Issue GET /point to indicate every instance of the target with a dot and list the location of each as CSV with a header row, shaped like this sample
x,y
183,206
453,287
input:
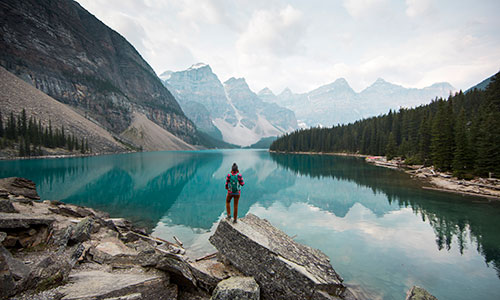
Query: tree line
x,y
30,135
459,134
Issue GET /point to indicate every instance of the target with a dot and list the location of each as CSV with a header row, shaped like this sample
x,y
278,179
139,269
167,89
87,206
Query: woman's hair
x,y
234,168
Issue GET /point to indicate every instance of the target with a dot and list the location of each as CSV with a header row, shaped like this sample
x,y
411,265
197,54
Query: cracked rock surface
x,y
283,268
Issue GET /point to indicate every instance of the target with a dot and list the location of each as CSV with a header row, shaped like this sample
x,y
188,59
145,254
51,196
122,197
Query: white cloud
x,y
273,32
360,8
417,7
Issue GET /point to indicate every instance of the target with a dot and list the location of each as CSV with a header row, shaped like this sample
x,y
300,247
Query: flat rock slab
x,y
241,288
112,250
98,284
11,221
283,268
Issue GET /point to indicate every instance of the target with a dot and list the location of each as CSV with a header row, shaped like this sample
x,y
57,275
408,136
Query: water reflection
x,y
449,215
382,231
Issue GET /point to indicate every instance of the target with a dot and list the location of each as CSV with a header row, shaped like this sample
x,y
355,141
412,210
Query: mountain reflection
x,y
451,216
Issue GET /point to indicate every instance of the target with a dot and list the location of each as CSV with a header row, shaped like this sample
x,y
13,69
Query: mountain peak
x,y
166,75
380,81
341,80
442,85
338,86
266,92
233,81
286,92
198,66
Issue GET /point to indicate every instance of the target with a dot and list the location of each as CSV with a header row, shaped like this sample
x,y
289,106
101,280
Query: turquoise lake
x,y
381,230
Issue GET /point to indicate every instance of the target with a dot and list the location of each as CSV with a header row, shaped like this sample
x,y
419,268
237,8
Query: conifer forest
x,y
28,136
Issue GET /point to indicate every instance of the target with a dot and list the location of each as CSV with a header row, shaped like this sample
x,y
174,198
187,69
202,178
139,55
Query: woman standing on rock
x,y
234,182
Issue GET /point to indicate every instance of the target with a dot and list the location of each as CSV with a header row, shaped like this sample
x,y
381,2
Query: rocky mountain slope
x,y
151,137
16,94
337,102
230,111
63,50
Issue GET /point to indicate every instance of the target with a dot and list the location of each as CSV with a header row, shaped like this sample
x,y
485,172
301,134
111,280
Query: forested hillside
x,y
459,134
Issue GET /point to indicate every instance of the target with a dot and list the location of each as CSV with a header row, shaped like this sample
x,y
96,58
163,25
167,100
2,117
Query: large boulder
x,y
19,187
237,288
283,268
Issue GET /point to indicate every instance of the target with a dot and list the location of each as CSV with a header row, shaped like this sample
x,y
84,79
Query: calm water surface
x,y
382,232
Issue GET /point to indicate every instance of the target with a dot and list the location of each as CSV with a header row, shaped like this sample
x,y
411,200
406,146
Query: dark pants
x,y
235,204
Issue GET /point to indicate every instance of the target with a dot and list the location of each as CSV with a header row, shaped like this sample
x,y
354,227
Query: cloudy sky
x,y
305,44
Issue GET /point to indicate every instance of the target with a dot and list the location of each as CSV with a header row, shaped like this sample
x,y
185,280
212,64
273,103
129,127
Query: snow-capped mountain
x,y
337,103
231,112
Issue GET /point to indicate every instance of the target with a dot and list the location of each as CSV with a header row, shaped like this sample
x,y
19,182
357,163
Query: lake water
x,y
382,232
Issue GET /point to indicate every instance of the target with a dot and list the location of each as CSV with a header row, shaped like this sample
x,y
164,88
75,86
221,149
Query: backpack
x,y
234,185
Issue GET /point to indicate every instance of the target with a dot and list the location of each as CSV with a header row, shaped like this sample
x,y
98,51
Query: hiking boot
x,y
235,221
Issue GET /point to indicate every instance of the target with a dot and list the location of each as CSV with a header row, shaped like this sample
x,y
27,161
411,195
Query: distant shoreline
x,y
56,156
439,181
323,153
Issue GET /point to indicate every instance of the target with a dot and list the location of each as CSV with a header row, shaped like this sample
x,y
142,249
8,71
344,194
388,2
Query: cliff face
x,y
66,52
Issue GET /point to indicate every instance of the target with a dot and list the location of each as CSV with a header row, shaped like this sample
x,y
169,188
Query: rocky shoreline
x,y
53,250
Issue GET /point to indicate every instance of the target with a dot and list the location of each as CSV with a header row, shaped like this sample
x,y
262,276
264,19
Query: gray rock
x,y
19,187
51,271
71,211
17,268
177,265
10,221
237,288
283,268
7,284
61,237
112,250
13,274
105,285
3,235
24,201
210,272
418,293
82,231
6,206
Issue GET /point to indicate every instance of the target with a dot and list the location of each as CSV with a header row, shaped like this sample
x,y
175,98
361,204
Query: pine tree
x,y
424,139
390,150
22,152
11,127
27,149
461,162
441,140
24,123
63,138
50,142
82,148
1,125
